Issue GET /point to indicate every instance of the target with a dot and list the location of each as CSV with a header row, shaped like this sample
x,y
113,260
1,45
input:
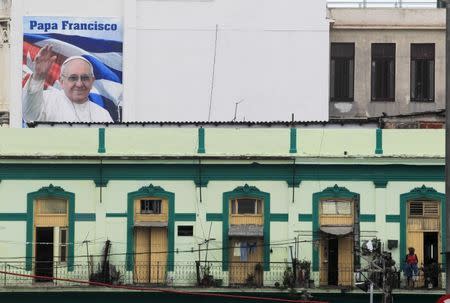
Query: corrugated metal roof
x,y
367,121
209,123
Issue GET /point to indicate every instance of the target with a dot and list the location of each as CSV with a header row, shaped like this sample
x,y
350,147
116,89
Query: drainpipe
x,y
447,146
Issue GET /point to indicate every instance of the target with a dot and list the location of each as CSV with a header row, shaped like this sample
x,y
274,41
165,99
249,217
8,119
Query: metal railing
x,y
382,4
188,274
429,277
203,274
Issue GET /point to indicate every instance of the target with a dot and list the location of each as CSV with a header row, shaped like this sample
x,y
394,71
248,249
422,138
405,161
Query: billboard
x,y
176,60
72,69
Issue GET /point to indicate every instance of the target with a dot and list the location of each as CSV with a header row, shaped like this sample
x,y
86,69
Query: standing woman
x,y
411,268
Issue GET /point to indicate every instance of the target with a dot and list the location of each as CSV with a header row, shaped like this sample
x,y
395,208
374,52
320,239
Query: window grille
x,y
342,66
422,72
51,207
151,206
336,207
383,72
423,209
246,206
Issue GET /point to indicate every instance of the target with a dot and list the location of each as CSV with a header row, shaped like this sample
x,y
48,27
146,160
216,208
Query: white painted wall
x,y
4,75
4,56
272,54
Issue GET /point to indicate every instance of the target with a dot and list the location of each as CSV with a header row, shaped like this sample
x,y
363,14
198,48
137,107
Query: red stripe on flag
x,y
25,79
31,51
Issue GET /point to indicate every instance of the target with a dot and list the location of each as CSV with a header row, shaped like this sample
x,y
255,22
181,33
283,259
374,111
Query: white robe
x,y
54,106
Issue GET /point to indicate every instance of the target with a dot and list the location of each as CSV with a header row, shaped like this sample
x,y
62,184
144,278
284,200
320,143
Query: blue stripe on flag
x,y
102,71
107,104
97,99
91,45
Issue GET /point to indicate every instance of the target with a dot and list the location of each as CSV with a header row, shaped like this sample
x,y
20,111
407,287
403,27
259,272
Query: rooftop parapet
x,y
317,144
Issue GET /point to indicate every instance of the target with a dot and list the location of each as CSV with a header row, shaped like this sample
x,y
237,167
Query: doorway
x,y
430,248
246,261
430,258
151,255
44,254
333,258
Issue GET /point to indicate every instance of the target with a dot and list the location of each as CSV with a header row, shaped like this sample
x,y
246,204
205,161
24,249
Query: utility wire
x,y
213,73
167,251
164,290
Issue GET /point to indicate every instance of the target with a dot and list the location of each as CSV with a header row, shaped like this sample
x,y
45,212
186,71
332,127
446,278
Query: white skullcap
x,y
76,57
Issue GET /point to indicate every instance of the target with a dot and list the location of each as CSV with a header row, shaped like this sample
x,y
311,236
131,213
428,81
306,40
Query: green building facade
x,y
300,175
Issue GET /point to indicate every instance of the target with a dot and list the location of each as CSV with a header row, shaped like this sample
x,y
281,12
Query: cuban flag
x,y
104,54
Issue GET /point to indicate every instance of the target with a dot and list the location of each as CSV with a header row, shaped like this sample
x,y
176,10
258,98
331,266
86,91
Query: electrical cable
x,y
163,290
167,251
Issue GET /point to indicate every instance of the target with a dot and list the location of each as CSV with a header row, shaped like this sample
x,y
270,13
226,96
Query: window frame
x,y
258,207
41,209
63,245
383,59
336,201
433,73
351,59
148,211
423,215
185,235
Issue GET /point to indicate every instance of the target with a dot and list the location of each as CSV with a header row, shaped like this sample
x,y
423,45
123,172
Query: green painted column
x,y
379,142
101,140
201,141
293,141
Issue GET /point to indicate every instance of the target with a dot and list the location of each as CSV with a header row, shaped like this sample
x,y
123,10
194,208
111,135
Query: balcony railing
x,y
382,4
190,274
198,274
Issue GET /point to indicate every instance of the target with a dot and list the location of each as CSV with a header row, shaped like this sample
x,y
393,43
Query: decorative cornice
x,y
151,189
51,190
335,190
246,190
423,190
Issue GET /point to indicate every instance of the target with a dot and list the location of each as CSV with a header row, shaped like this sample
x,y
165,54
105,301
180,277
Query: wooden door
x,y
142,255
323,278
158,257
251,270
345,261
151,255
414,239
